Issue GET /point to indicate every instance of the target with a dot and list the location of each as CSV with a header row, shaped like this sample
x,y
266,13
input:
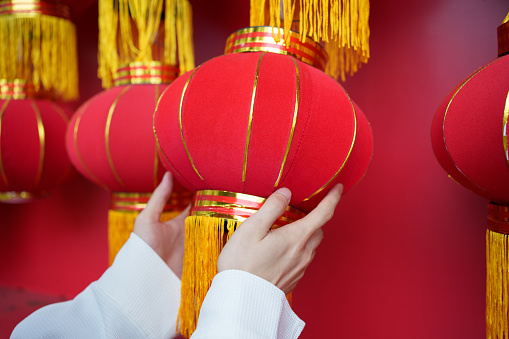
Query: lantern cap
x,y
17,89
503,37
150,72
136,202
236,206
32,8
20,197
263,39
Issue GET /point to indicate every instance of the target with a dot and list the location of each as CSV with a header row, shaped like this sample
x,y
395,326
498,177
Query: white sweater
x,y
139,297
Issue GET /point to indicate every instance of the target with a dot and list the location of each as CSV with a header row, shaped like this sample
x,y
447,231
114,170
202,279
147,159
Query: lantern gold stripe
x,y
294,122
506,115
42,141
156,156
347,157
107,134
443,125
250,120
79,115
180,121
60,112
2,170
158,146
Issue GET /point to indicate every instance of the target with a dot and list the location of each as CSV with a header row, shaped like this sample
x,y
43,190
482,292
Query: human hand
x,y
280,256
165,238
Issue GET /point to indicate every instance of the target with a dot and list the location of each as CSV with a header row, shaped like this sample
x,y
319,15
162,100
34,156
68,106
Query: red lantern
x,y
32,144
110,141
469,136
242,125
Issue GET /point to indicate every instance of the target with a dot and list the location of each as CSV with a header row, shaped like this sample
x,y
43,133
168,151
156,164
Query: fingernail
x,y
286,192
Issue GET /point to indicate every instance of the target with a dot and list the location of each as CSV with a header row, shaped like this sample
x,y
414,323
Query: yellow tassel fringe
x,y
120,226
41,50
205,238
497,286
130,31
343,25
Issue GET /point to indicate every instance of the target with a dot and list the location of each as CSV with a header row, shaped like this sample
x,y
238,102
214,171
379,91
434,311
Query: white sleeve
x,y
137,297
242,305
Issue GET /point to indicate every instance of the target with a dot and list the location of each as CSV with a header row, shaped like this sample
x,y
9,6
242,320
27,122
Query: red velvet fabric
x,y
468,128
215,117
131,164
20,145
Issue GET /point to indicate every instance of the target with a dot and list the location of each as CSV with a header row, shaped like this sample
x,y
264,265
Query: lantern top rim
x,y
268,39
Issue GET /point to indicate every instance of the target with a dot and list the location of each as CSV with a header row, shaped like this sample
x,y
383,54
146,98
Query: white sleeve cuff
x,y
242,305
144,288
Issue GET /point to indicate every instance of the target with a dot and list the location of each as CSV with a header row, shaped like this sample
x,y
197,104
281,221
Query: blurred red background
x,y
404,256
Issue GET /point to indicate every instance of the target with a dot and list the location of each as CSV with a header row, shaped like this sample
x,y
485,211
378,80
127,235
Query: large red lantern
x,y
242,125
32,145
469,137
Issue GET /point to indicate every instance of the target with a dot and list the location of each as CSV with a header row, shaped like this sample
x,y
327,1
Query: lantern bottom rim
x,y
16,197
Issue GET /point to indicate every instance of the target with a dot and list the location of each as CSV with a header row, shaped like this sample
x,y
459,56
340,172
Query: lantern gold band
x,y
29,8
17,197
498,218
153,72
235,206
261,39
16,89
136,202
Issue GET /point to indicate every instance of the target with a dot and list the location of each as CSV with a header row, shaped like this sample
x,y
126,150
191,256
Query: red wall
x,y
404,257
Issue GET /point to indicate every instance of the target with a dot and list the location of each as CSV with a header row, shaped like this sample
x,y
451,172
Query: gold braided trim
x,y
261,39
136,202
17,197
33,8
153,72
16,89
235,206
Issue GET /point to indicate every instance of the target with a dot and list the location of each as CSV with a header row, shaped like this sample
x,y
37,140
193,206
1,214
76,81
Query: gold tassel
x,y
120,226
205,238
130,29
497,291
41,50
343,25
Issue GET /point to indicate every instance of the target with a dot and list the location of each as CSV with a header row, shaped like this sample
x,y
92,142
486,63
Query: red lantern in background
x,y
242,125
469,137
110,141
38,65
32,145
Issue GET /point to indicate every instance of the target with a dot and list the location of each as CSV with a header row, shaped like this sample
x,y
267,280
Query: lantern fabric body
x,y
239,127
111,142
302,133
469,137
469,132
32,148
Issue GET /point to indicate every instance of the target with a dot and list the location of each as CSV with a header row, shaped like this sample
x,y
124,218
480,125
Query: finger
x,y
324,211
315,240
181,218
260,223
160,196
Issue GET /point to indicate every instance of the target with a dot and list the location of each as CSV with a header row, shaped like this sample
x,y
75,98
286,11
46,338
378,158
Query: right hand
x,y
280,256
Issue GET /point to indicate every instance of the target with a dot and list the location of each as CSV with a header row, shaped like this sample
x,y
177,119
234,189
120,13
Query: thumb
x,y
260,223
158,199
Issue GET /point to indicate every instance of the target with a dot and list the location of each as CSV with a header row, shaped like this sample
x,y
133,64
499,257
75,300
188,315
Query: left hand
x,y
165,238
